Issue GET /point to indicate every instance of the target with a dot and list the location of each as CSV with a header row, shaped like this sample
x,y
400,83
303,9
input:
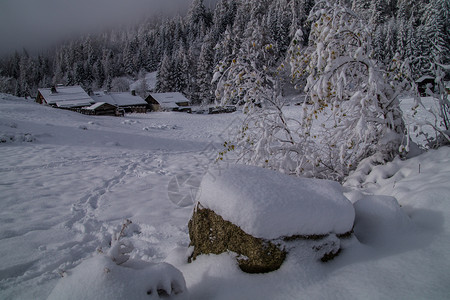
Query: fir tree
x,y
164,77
205,67
180,72
438,31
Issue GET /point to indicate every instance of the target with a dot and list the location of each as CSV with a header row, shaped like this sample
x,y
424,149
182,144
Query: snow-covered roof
x,y
96,105
169,100
73,103
66,96
119,99
268,204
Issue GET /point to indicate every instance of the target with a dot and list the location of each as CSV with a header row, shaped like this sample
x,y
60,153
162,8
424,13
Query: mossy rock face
x,y
211,234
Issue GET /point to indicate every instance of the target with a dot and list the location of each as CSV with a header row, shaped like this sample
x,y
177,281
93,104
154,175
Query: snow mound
x,y
16,137
270,205
379,217
100,278
130,121
161,127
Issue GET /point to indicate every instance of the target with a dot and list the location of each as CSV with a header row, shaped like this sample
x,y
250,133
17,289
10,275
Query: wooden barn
x,y
168,102
103,109
423,83
65,97
129,102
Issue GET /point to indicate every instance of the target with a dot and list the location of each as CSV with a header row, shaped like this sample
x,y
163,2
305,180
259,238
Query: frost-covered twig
x,y
120,249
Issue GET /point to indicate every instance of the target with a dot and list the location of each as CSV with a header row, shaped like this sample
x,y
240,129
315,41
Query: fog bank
x,y
33,24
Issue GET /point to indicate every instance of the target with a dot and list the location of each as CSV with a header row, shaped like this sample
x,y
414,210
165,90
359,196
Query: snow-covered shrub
x,y
265,138
247,81
352,110
120,249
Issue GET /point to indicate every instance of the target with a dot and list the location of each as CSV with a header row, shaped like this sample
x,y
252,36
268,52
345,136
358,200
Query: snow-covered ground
x,y
68,183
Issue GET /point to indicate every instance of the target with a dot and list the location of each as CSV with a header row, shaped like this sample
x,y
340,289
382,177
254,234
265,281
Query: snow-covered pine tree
x,y
12,66
402,35
300,10
108,67
362,8
378,43
79,75
98,74
279,23
376,12
180,70
69,78
410,38
434,61
437,30
390,42
223,18
205,68
6,84
439,34
241,21
26,69
128,58
164,77
198,20
41,75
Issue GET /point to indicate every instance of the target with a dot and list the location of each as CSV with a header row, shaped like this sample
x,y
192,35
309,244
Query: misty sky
x,y
36,23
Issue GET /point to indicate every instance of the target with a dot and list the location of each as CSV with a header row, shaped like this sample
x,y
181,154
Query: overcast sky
x,y
36,23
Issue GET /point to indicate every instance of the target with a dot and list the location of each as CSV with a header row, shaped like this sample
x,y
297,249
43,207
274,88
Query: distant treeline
x,y
186,50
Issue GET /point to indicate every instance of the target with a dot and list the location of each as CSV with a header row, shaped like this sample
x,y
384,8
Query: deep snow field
x,y
68,182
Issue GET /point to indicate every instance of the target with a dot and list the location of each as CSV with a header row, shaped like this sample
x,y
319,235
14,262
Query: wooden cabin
x,y
168,102
129,102
103,109
423,83
65,97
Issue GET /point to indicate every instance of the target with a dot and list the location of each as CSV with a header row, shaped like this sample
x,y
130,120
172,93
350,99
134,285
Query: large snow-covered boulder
x,y
210,233
252,211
